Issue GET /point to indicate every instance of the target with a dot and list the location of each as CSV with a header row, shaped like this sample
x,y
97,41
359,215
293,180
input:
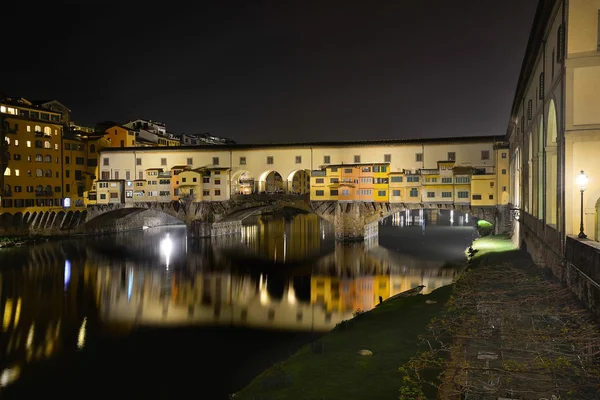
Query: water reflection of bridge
x,y
156,297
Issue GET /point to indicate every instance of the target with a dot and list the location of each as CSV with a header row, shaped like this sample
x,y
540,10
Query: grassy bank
x,y
332,369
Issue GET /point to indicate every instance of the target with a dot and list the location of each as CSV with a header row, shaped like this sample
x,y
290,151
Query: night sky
x,y
274,71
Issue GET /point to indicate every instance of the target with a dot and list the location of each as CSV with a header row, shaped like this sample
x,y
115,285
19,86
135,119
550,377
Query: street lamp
x,y
582,181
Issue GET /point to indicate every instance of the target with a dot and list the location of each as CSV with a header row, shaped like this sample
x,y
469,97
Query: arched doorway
x,y
242,182
271,182
298,182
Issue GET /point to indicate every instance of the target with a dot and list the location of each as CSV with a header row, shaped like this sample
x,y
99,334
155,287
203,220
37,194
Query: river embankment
x,y
504,327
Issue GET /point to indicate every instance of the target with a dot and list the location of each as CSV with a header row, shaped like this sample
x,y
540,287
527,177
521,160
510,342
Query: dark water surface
x,y
151,314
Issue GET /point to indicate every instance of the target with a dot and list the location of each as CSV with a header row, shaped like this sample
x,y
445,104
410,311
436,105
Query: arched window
x,y
48,158
47,130
7,188
39,189
38,144
92,148
7,172
39,158
37,128
551,167
48,189
48,173
39,172
552,124
47,145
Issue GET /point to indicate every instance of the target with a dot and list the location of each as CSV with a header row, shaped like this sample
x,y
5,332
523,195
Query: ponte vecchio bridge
x,y
352,184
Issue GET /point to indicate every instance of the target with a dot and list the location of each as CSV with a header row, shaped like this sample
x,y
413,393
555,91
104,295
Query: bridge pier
x,y
356,222
199,229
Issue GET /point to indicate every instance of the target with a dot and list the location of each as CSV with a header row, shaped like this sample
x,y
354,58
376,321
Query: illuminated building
x,y
32,180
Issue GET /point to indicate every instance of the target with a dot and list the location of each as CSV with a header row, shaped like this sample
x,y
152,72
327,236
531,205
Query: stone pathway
x,y
518,334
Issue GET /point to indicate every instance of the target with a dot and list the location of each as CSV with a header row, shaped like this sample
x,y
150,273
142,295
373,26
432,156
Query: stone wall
x,y
582,273
129,220
574,262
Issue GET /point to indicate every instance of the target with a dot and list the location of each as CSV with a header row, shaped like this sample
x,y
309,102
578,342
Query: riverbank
x,y
331,368
506,329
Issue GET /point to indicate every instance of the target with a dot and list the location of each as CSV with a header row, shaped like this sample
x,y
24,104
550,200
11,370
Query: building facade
x,y
441,171
554,131
554,136
46,165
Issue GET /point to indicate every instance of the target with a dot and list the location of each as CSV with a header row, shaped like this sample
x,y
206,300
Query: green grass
x,y
488,245
390,331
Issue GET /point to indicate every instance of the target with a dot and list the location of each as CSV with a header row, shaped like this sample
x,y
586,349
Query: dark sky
x,y
274,71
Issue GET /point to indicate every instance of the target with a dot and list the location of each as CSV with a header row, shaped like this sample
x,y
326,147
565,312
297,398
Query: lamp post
x,y
582,181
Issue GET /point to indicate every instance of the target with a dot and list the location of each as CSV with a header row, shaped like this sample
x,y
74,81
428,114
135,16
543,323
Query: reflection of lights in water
x,y
262,287
166,247
81,335
67,272
129,285
467,218
284,246
451,216
29,341
291,294
9,375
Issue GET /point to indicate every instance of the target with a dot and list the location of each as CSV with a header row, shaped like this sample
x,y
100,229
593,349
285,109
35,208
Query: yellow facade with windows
x,y
120,136
381,182
32,178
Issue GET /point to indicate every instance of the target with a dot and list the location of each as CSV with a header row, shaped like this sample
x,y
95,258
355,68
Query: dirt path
x,y
511,331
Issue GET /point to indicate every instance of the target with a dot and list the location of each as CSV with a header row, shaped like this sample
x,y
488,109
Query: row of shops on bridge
x,y
365,182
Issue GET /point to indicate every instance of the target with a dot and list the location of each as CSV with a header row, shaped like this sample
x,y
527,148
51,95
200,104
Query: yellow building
x,y
502,175
483,190
167,141
121,136
381,182
190,184
462,185
31,180
413,187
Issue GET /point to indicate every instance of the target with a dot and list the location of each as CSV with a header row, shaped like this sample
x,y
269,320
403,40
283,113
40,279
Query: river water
x,y
151,313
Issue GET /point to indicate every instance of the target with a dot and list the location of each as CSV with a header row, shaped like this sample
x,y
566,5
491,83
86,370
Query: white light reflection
x,y
291,294
67,273
9,375
30,335
81,335
262,287
467,218
451,217
166,247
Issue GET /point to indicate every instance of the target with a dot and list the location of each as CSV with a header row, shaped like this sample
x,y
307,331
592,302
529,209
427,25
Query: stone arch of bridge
x,y
271,181
133,217
243,182
298,182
